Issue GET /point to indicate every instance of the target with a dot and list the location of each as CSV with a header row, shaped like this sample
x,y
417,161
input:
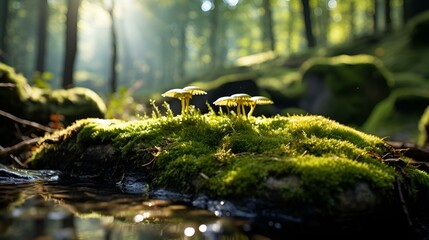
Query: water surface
x,y
48,210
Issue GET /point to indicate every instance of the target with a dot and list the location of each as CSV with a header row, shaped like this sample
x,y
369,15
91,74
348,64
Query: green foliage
x,y
41,80
121,105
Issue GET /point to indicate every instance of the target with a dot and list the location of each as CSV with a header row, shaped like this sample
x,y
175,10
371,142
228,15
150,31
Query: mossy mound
x,y
301,164
38,105
397,117
344,88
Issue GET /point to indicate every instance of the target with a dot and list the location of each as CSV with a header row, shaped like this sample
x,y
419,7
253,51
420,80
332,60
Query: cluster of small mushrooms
x,y
184,95
239,100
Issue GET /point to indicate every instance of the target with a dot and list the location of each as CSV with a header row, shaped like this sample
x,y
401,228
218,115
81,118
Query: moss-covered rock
x,y
306,165
344,88
397,117
35,104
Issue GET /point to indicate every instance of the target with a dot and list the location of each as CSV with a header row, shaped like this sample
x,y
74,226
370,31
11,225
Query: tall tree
x,y
3,26
375,16
183,25
214,25
41,39
268,25
114,53
311,41
387,16
71,42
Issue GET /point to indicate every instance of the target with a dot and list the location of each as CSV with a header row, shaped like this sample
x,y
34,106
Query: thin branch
x,y
10,85
26,122
18,147
415,152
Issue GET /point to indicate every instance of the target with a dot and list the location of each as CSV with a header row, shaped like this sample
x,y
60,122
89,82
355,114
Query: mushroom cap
x,y
261,100
225,101
241,96
176,93
194,90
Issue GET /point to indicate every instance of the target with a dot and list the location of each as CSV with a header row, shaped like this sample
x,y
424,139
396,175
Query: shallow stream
x,y
34,205
46,210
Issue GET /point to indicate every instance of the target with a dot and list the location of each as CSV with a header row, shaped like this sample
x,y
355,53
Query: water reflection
x,y
48,210
40,210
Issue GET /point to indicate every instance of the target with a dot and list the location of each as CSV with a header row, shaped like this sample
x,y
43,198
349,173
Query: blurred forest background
x,y
156,43
131,51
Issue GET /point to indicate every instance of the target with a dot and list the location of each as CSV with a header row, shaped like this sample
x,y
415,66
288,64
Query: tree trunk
x,y
214,22
41,44
387,16
184,18
311,41
71,42
3,26
114,53
267,26
375,17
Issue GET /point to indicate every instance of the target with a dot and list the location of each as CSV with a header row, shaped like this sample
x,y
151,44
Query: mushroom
x,y
193,90
185,95
225,101
241,99
258,100
181,94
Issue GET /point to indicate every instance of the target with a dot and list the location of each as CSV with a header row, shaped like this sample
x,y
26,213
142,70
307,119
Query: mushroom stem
x,y
183,104
252,108
257,100
187,100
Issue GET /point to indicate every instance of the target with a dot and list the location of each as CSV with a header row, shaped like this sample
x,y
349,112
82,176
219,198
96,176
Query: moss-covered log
x,y
302,164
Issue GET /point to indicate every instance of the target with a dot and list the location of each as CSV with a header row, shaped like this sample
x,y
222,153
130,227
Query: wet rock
x,y
11,175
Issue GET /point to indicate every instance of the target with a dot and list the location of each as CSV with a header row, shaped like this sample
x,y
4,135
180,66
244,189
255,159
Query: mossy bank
x,y
294,162
39,105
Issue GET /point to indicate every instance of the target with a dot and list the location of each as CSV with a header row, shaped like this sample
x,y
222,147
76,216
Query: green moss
x,y
74,103
12,97
311,159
